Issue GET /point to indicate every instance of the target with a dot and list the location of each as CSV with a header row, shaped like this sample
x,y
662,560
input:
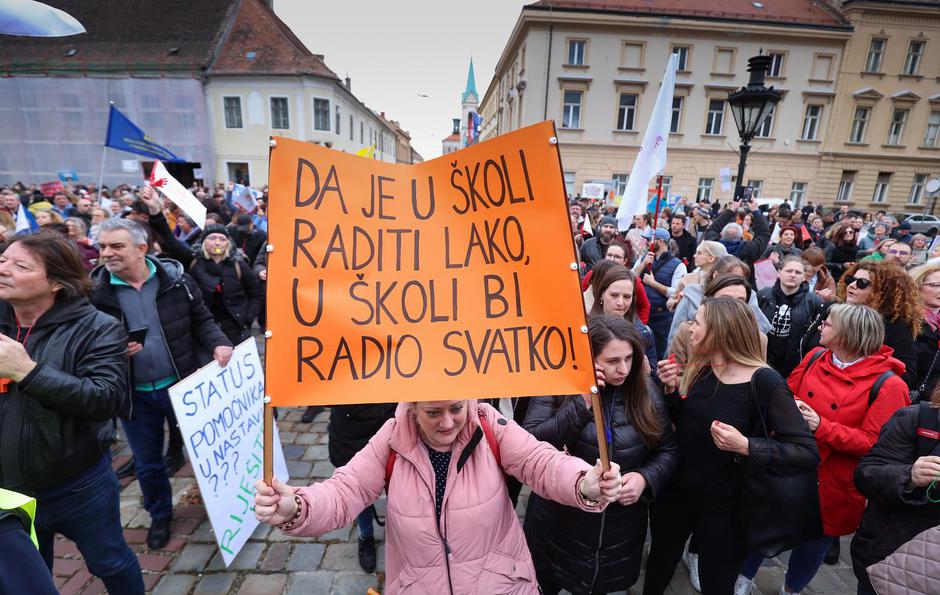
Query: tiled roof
x,y
165,37
815,13
260,43
452,138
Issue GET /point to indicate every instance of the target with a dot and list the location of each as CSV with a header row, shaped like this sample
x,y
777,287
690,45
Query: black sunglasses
x,y
859,282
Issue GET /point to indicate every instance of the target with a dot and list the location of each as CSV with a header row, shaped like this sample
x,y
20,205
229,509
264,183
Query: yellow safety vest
x,y
13,501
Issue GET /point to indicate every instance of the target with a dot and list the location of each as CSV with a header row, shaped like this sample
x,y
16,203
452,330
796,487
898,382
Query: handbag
x,y
779,504
918,393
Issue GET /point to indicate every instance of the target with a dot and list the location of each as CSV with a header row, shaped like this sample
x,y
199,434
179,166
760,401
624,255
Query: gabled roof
x,y
868,93
164,37
261,43
905,95
452,138
811,13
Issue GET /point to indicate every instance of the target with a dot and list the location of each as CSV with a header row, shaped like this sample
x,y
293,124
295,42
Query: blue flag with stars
x,y
126,136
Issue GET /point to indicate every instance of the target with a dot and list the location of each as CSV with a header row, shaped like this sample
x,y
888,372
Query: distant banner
x,y
591,190
220,412
454,278
49,189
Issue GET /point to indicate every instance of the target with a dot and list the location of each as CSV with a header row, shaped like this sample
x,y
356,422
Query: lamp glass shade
x,y
749,108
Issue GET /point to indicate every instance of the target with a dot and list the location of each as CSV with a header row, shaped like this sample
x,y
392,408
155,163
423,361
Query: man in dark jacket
x,y
63,377
155,298
661,272
684,240
246,238
790,307
725,230
595,248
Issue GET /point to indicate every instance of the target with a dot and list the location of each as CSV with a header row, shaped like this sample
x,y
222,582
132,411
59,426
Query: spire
x,y
471,84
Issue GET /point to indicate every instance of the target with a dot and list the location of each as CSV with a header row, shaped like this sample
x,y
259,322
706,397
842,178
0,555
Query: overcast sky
x,y
394,50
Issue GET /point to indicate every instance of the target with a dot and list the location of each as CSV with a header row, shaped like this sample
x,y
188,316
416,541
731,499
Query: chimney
x,y
349,84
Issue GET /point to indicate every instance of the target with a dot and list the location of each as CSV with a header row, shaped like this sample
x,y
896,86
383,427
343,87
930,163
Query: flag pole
x,y
659,197
268,443
104,154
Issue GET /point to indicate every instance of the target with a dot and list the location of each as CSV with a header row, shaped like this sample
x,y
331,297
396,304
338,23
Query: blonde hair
x,y
716,249
920,273
857,329
228,249
733,334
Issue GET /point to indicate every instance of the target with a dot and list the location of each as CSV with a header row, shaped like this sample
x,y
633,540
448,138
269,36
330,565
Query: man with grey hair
x,y
723,229
162,309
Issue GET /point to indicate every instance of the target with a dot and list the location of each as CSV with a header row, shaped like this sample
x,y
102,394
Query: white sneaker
x,y
691,562
783,591
743,586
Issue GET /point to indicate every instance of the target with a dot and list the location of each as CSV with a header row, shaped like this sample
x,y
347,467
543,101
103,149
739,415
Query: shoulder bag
x,y
779,505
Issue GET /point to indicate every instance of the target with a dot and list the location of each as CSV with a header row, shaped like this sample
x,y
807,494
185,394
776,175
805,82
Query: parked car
x,y
922,223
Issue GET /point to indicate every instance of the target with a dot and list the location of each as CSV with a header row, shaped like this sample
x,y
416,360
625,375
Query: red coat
x,y
848,428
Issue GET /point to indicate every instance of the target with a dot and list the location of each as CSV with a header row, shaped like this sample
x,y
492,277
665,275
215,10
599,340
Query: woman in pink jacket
x,y
451,527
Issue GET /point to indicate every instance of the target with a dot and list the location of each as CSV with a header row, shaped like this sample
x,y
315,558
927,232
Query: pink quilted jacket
x,y
485,545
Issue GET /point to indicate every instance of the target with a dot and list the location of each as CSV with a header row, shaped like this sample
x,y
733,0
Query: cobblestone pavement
x,y
272,563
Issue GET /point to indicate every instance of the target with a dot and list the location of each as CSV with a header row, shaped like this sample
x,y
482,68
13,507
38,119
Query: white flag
x,y
35,19
652,156
24,220
161,179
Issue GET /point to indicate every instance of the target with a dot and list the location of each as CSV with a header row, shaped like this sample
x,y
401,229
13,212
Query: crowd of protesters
x,y
731,346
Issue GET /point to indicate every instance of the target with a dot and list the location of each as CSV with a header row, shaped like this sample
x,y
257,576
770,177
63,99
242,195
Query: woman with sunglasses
x,y
587,553
718,432
834,387
927,345
891,292
842,249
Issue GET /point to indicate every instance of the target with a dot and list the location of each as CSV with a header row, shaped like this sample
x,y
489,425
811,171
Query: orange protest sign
x,y
448,279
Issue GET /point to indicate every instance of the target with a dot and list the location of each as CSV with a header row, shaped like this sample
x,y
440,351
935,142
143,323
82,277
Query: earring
x,y
602,301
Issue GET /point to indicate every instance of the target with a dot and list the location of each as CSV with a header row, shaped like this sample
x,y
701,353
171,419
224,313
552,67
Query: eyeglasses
x,y
935,285
859,282
824,324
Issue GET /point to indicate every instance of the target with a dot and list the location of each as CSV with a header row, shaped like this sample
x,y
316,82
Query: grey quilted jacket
x,y
913,569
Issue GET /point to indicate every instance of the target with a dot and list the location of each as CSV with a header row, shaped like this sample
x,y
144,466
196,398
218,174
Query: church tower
x,y
469,102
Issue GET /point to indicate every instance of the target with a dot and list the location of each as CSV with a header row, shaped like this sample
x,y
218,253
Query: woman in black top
x,y
842,249
576,550
715,432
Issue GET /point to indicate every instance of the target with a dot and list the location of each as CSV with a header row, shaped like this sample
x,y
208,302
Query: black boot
x,y
126,470
310,414
367,554
832,554
159,533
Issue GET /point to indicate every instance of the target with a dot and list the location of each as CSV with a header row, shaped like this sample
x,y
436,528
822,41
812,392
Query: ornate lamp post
x,y
750,106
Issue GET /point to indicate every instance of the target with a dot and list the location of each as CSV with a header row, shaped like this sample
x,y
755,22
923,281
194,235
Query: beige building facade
x,y
884,138
596,71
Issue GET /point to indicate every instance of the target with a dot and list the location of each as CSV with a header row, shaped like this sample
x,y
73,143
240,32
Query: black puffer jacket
x,y
233,296
185,321
900,337
837,257
895,514
352,426
805,306
927,347
57,423
566,543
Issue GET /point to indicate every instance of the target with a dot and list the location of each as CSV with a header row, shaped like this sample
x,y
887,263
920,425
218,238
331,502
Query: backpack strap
x,y
389,465
812,359
928,430
484,430
873,393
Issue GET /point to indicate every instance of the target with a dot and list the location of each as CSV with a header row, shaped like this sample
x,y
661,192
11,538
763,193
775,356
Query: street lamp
x,y
750,106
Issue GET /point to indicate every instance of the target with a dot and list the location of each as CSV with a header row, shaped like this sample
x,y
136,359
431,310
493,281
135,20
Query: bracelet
x,y
289,524
582,499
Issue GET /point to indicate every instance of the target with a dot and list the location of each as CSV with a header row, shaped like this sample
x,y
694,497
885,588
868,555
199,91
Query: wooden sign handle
x,y
599,423
268,443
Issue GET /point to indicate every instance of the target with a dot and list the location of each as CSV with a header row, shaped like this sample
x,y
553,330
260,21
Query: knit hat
x,y
608,220
216,228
